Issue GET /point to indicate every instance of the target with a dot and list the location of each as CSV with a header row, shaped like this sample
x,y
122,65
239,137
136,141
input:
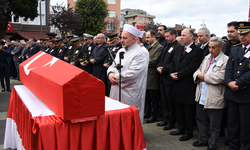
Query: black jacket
x,y
238,69
186,64
166,60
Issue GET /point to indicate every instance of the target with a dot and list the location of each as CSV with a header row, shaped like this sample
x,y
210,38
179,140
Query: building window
x,y
111,14
146,19
75,0
111,1
140,18
111,26
129,19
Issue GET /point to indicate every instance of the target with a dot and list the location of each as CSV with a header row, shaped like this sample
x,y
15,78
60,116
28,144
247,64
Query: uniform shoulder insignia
x,y
236,45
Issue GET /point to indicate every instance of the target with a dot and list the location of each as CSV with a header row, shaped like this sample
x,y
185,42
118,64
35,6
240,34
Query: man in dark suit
x,y
5,66
166,82
161,35
53,48
16,53
233,37
186,61
12,64
87,51
153,84
97,59
237,91
34,48
204,37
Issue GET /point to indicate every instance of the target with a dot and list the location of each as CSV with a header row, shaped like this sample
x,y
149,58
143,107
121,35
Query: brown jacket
x,y
153,78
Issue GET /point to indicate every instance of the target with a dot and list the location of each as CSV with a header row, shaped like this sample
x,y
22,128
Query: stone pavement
x,y
155,137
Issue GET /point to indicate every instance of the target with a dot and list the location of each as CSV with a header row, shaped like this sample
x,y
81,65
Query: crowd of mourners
x,y
188,83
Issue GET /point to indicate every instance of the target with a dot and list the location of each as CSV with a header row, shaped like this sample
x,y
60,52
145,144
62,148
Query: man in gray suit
x,y
16,53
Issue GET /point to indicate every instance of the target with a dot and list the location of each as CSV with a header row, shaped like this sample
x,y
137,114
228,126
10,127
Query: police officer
x,y
237,80
113,39
75,57
87,51
70,49
61,49
42,44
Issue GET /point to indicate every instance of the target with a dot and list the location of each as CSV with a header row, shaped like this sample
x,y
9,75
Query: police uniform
x,y
70,48
87,51
75,57
238,70
43,41
113,51
61,50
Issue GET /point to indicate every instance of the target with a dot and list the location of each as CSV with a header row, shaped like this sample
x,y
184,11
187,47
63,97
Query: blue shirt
x,y
204,85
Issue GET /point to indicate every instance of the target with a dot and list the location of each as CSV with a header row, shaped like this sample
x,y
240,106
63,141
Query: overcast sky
x,y
215,13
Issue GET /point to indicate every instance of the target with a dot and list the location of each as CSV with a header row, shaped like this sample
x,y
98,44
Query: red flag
x,y
140,27
9,27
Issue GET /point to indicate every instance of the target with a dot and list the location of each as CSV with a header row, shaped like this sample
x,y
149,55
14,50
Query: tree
x,y
94,12
152,26
19,8
65,19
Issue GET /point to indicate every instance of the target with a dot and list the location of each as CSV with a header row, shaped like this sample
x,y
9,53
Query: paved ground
x,y
155,137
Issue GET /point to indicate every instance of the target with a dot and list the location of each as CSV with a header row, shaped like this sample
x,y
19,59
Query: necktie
x,y
184,50
244,50
98,46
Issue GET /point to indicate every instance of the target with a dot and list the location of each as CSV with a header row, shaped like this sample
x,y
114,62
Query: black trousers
x,y
5,74
13,72
238,125
152,102
168,103
185,114
206,117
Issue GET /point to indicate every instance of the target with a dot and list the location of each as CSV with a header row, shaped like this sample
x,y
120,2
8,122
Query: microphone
x,y
113,45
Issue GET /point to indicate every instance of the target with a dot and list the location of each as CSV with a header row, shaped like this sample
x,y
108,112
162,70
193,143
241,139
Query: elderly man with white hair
x,y
210,94
134,71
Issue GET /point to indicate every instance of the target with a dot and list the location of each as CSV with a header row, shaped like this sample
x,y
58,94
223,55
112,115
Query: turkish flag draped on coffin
x,y
67,90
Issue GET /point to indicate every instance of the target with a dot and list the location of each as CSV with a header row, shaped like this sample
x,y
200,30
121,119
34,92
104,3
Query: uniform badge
x,y
70,47
52,50
76,52
247,55
89,52
113,49
170,50
89,48
219,63
188,50
60,50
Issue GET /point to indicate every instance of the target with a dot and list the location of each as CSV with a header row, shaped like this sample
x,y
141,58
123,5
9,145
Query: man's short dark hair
x,y
33,39
152,33
171,31
140,39
8,40
233,23
165,28
191,32
18,41
53,41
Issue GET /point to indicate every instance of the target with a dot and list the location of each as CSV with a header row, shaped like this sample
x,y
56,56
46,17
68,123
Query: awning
x,y
27,35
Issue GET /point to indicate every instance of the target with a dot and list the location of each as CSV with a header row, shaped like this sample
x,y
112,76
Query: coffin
x,y
67,90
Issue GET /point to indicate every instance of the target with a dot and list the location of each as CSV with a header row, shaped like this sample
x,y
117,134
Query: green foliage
x,y
21,8
94,12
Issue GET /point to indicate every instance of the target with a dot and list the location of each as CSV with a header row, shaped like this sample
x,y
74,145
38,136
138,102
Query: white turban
x,y
131,29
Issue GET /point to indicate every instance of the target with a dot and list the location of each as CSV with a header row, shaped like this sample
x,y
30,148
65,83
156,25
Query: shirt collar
x,y
189,45
217,57
246,46
153,43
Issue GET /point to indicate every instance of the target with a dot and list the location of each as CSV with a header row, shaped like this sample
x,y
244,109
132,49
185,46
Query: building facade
x,y
113,18
137,17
